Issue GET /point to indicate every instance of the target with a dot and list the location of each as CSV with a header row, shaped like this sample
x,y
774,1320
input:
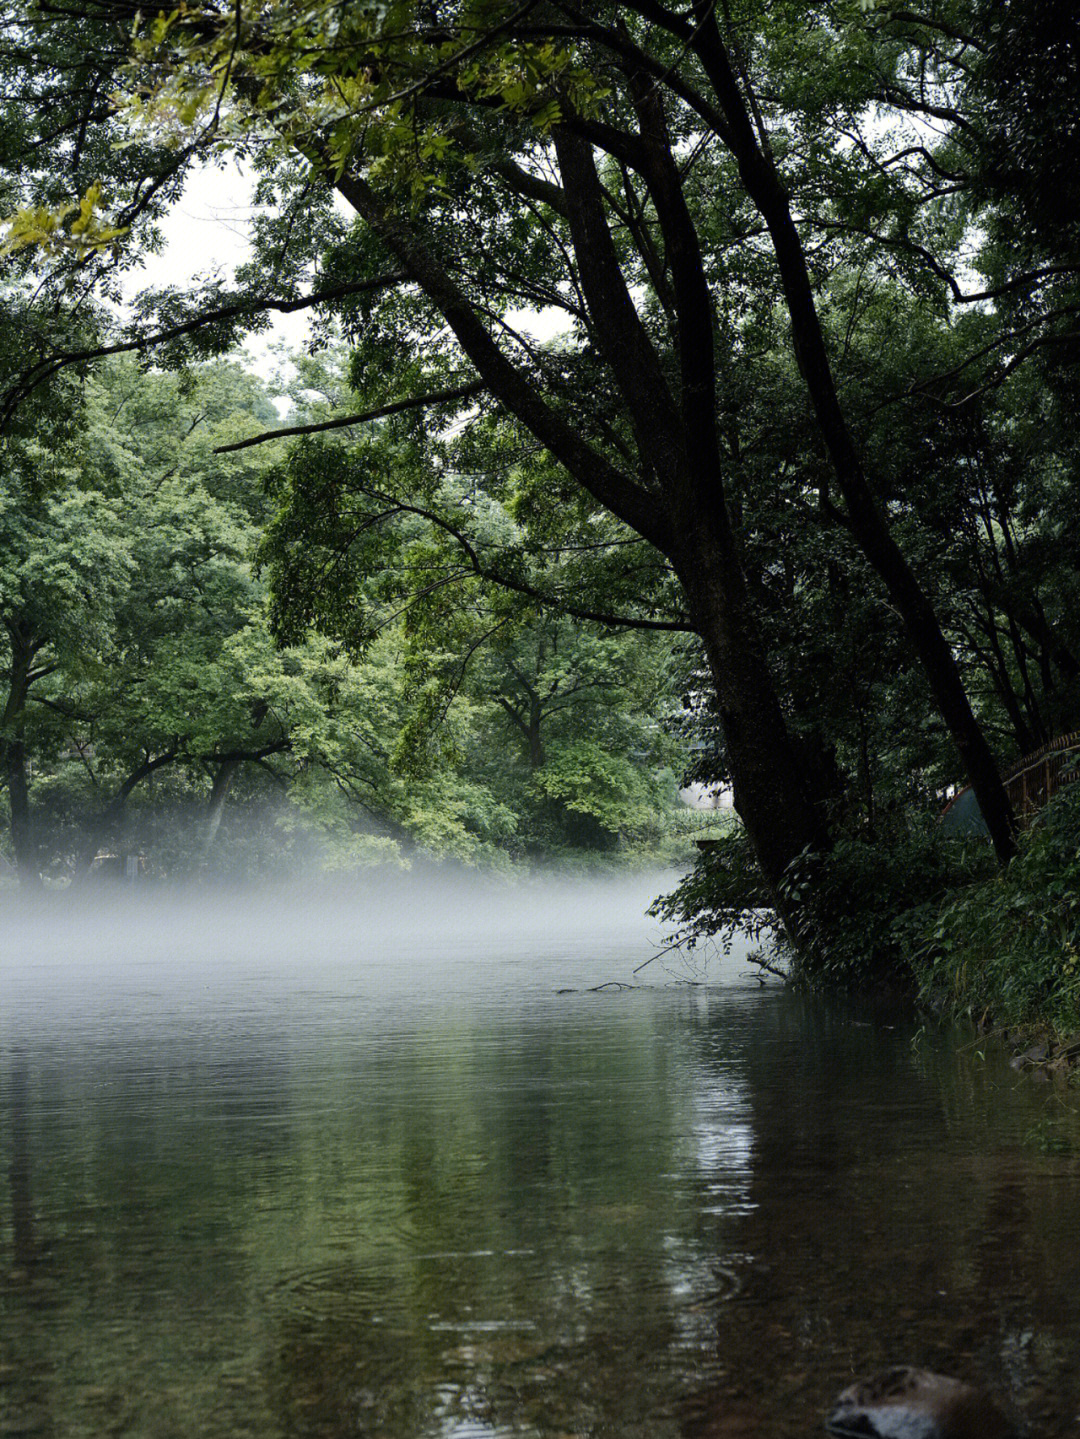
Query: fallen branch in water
x,y
675,944
762,963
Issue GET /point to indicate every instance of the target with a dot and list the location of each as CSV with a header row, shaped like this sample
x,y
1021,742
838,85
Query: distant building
x,y
110,866
706,796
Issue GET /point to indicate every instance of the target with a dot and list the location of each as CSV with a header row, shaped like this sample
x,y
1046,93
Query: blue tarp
x,y
964,816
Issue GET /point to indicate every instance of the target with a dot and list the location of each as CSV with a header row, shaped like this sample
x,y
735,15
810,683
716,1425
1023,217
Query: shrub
x,y
867,905
863,908
723,895
1009,947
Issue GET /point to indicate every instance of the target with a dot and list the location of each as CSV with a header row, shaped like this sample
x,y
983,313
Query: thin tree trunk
x,y
101,827
13,758
866,775
215,810
22,835
537,757
1031,702
993,659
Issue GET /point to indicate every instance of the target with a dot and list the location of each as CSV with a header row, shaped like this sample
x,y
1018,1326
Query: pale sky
x,y
209,231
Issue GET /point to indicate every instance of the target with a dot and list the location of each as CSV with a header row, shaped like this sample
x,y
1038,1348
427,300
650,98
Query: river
x,y
415,1163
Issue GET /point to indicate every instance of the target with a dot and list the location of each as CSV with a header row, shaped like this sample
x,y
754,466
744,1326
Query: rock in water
x,y
905,1403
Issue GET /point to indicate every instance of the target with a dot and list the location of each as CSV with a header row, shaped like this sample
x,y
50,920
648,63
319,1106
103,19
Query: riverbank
x,y
1046,1059
1006,950
918,913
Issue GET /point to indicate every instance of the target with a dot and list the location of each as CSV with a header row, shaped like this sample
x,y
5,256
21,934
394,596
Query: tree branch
x,y
522,587
620,493
45,369
437,397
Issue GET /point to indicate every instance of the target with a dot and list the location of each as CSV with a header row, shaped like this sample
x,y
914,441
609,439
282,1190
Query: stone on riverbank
x,y
906,1403
1056,1058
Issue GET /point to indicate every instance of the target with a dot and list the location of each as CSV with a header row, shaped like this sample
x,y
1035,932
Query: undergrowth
x,y
1008,948
861,908
916,909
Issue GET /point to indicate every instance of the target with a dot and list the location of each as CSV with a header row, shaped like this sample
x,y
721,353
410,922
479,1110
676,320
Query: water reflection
x,y
900,1212
327,1176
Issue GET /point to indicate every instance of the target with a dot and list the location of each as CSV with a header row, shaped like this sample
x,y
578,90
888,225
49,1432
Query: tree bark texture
x,y
215,809
13,758
770,789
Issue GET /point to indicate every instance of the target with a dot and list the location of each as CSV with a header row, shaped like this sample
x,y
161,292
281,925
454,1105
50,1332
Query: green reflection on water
x,y
662,1212
452,1228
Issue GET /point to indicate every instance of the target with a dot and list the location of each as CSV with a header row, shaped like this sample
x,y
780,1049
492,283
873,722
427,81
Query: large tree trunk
x,y
868,523
678,503
771,792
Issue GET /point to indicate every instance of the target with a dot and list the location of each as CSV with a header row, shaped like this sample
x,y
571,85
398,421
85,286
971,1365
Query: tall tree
x,y
674,426
449,133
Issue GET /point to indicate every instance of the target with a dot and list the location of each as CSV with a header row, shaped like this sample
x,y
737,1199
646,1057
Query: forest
x,y
691,396
158,717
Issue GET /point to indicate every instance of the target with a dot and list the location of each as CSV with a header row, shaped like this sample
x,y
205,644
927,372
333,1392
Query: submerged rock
x,y
1050,1059
906,1403
1031,1058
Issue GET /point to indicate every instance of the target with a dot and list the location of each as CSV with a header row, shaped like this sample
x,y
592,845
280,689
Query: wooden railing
x,y
1029,783
1036,778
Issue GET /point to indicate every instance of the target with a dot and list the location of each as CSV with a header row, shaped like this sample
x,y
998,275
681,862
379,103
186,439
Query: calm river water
x,y
396,1167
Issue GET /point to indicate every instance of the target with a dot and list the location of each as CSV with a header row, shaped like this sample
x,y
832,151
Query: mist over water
x,y
391,947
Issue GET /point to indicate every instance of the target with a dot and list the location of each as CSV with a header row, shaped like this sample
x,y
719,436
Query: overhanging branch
x,y
342,422
44,370
519,586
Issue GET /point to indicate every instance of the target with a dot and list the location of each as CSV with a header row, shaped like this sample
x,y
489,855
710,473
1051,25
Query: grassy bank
x,y
1006,949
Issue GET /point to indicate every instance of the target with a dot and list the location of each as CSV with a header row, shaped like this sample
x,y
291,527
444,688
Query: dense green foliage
x,y
799,449
159,718
868,905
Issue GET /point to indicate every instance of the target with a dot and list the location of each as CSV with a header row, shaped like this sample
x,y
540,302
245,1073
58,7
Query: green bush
x,y
723,895
1009,947
866,905
862,909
